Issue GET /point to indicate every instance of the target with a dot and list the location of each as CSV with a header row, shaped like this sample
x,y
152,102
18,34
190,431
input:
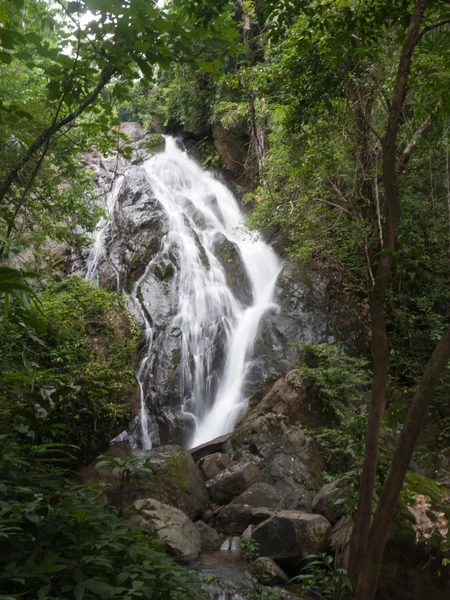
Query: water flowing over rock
x,y
202,290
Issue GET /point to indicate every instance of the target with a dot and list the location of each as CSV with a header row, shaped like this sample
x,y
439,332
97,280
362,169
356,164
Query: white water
x,y
98,248
206,306
201,211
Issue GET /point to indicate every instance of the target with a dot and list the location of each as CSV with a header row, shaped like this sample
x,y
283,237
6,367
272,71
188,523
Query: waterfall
x,y
200,209
218,323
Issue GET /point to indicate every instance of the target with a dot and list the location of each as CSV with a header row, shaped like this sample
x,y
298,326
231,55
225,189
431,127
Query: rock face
x,y
232,481
291,534
328,501
268,572
288,458
292,396
260,495
180,535
212,465
174,480
210,537
236,518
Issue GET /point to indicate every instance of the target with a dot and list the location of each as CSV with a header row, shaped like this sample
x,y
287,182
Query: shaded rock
x,y
132,129
288,458
231,150
268,572
293,396
174,480
292,534
173,527
213,464
236,518
232,481
260,495
210,537
215,445
328,501
237,277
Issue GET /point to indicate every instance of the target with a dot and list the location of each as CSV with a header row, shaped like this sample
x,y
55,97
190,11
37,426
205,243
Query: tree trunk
x,y
45,136
380,340
368,575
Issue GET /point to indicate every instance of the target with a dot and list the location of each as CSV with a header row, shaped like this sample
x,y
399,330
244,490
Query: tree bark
x,y
105,78
368,576
380,340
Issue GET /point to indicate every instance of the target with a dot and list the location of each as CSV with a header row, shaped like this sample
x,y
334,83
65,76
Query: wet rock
x,y
292,535
216,445
232,481
236,275
214,464
329,501
268,572
260,495
288,458
302,299
236,518
210,537
180,535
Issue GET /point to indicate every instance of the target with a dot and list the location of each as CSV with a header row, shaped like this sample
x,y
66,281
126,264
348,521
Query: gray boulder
x,y
174,480
288,458
216,445
210,537
260,495
173,527
236,518
232,481
292,396
329,501
214,464
292,535
268,572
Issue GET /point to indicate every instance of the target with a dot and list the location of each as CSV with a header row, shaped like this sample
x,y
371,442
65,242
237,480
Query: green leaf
x,y
5,57
79,591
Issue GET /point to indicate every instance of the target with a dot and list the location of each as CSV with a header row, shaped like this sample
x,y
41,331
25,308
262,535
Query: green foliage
x,y
58,540
319,574
73,356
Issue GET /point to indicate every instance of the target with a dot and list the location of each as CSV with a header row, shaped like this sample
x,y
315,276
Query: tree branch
x,y
105,78
407,152
432,27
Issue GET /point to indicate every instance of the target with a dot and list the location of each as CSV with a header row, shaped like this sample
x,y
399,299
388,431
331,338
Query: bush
x,y
70,363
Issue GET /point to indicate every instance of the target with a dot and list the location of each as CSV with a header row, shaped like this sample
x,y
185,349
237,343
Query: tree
x,y
71,65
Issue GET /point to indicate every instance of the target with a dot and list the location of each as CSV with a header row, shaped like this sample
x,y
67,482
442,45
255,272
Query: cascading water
x,y
98,248
217,323
201,209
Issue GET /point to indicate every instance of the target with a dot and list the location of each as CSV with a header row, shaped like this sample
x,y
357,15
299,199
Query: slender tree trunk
x,y
380,340
368,575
